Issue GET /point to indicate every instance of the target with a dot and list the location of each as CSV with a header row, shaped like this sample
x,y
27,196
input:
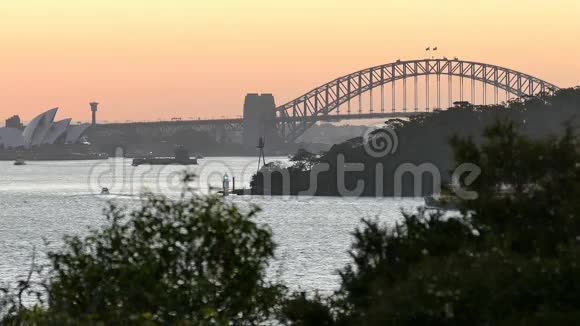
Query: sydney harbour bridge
x,y
394,90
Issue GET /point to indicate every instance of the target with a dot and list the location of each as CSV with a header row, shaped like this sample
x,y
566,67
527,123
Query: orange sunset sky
x,y
158,59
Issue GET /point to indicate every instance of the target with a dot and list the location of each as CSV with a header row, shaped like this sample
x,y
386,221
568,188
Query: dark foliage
x,y
303,160
513,258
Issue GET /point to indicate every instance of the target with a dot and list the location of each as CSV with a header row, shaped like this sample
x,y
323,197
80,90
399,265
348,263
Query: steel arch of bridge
x,y
298,115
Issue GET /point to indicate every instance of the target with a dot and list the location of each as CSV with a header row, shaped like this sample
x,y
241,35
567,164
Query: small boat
x,y
19,162
237,192
442,202
105,191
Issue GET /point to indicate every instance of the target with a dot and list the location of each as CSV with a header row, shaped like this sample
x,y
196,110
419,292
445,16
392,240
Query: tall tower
x,y
259,119
94,110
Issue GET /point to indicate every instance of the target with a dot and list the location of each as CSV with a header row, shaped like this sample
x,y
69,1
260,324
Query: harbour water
x,y
47,200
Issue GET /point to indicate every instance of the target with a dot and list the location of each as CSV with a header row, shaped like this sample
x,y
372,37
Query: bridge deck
x,y
355,116
199,122
227,121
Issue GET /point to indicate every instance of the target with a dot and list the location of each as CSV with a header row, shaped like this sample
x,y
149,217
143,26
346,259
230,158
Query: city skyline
x,y
176,58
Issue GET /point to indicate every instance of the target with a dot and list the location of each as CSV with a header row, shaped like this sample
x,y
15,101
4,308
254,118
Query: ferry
x,y
181,157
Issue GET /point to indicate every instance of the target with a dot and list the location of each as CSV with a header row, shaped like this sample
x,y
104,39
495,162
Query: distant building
x,y
11,138
14,122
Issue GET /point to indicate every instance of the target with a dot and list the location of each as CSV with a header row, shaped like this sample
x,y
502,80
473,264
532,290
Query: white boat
x,y
19,162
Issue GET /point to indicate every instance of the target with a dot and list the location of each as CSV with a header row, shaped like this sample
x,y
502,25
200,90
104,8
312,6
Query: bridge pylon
x,y
259,119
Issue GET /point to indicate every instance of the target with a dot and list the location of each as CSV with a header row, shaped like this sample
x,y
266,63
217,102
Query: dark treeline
x,y
421,139
138,142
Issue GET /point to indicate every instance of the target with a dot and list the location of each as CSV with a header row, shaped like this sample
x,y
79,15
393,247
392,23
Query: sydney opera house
x,y
42,130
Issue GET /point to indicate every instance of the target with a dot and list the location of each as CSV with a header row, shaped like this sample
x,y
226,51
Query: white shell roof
x,y
73,133
55,131
37,129
11,138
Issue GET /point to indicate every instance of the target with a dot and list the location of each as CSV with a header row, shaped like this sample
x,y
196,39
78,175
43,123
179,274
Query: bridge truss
x,y
325,101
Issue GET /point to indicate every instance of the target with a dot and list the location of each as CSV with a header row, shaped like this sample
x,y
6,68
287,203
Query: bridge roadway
x,y
236,121
174,123
353,116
